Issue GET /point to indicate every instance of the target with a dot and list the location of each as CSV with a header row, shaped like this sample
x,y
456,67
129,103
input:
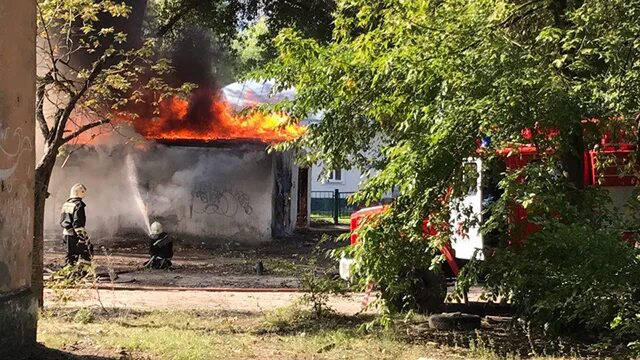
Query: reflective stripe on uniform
x,y
69,232
68,207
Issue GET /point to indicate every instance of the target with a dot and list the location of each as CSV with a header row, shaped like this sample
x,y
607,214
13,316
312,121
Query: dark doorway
x,y
302,220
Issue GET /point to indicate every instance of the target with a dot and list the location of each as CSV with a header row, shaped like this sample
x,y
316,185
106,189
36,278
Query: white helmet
x,y
78,191
156,228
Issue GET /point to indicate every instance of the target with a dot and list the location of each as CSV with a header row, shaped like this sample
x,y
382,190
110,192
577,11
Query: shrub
x,y
569,278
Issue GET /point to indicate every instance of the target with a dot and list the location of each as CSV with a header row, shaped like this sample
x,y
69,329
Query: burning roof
x,y
207,116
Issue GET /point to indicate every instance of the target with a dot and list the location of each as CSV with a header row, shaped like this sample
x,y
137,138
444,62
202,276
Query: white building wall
x,y
202,194
350,180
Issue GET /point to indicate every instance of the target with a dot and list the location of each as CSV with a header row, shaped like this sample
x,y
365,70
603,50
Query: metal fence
x,y
332,205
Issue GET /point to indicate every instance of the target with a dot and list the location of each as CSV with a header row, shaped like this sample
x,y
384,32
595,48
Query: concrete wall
x,y
231,199
18,308
203,194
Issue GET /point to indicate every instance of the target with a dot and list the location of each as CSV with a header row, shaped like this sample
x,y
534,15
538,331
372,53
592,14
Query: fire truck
x,y
468,242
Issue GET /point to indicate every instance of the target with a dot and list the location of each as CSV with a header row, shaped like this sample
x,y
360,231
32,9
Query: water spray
x,y
133,182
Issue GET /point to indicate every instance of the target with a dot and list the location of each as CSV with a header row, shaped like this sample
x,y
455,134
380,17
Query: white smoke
x,y
206,192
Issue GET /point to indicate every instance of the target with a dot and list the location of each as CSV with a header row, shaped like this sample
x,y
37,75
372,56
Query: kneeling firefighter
x,y
73,221
160,248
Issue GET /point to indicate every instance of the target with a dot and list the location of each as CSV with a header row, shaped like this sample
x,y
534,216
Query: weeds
x,y
81,273
318,284
83,316
67,277
281,267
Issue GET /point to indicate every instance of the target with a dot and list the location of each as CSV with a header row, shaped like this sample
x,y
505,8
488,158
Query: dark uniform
x,y
161,251
73,221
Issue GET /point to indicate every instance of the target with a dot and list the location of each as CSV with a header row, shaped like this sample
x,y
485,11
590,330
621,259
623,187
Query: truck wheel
x,y
427,294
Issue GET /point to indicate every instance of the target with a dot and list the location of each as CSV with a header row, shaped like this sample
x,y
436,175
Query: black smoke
x,y
193,57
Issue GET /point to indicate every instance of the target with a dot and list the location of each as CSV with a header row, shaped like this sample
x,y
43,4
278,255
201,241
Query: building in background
x,y
345,180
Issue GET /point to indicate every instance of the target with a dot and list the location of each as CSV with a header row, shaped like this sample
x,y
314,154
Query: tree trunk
x,y
573,158
42,176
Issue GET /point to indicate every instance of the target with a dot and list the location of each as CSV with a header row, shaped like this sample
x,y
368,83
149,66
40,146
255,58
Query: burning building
x,y
199,168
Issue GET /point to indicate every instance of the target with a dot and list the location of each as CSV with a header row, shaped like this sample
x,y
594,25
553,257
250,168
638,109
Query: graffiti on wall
x,y
10,158
225,201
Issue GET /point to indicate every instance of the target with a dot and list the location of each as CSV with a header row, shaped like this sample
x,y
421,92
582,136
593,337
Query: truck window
x,y
492,173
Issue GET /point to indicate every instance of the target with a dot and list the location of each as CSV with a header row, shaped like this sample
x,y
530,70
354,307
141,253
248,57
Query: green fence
x,y
331,205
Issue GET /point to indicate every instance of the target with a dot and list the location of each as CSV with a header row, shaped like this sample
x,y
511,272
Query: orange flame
x,y
206,118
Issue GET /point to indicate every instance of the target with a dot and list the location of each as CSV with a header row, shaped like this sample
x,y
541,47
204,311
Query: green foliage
x,y
241,29
171,17
406,88
387,254
568,277
68,277
250,45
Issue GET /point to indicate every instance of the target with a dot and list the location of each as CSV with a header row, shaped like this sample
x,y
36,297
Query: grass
x,y
329,219
287,333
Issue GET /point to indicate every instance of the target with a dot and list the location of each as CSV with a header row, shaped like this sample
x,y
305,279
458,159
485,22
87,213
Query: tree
x,y
409,87
313,18
242,28
89,70
250,46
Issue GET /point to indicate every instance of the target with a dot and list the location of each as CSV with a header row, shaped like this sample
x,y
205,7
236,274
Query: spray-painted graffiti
x,y
214,200
12,156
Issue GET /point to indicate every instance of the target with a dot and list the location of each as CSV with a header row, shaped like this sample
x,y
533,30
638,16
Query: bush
x,y
387,254
570,278
317,286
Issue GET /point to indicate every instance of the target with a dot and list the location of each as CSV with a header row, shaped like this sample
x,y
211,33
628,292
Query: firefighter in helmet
x,y
160,248
73,221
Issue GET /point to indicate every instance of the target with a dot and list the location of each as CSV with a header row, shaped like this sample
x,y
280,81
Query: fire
x,y
205,117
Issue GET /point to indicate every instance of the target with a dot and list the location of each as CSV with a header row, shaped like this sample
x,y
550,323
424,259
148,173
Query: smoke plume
x,y
214,192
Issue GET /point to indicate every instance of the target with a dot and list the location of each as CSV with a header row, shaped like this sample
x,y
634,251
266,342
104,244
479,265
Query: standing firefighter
x,y
72,220
160,248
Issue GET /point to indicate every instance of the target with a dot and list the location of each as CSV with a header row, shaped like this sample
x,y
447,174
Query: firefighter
x,y
160,248
73,221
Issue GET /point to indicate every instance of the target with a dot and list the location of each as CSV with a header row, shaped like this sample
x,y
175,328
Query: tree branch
x,y
84,128
40,95
48,38
637,120
61,121
514,16
65,86
186,8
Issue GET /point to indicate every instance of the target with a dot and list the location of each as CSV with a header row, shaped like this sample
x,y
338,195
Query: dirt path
x,y
240,301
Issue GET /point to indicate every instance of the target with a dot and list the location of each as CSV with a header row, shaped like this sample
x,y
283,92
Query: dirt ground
x,y
226,265
221,277
219,280
242,301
